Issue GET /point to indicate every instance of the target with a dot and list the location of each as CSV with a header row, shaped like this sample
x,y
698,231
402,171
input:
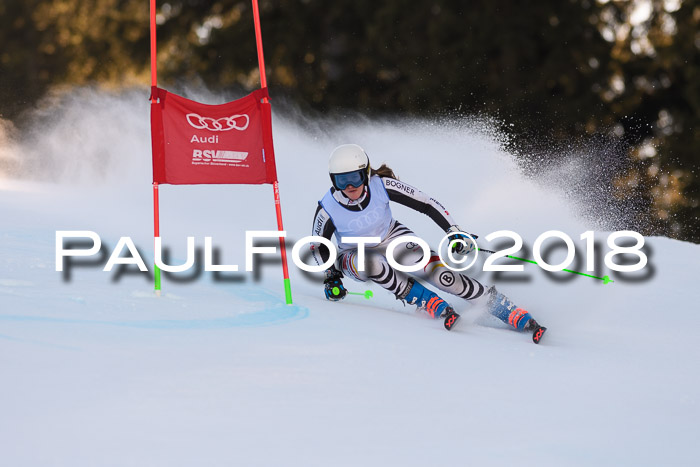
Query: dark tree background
x,y
552,70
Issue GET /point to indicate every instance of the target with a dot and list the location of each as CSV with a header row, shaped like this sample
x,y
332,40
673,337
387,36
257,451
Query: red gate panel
x,y
196,143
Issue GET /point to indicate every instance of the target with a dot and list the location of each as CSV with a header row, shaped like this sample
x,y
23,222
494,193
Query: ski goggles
x,y
356,179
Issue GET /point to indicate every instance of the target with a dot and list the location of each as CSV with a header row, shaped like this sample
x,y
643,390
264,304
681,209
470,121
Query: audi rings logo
x,y
233,122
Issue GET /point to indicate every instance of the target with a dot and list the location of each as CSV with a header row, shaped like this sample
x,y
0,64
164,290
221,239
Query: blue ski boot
x,y
436,307
504,309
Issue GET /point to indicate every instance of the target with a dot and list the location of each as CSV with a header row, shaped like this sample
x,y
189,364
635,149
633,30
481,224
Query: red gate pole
x,y
154,79
275,185
154,101
258,42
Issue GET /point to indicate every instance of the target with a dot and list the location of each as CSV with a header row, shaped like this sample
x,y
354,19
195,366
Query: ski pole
x,y
367,294
605,279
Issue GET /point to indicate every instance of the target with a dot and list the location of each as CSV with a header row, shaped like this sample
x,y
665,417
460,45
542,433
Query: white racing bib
x,y
373,221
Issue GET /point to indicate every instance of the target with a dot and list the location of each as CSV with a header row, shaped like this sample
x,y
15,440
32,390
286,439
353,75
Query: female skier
x,y
357,205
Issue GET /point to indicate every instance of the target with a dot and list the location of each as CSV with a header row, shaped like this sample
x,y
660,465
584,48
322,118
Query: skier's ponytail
x,y
384,171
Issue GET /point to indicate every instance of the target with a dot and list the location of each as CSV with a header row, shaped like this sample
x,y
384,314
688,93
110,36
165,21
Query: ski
x,y
450,318
538,333
537,330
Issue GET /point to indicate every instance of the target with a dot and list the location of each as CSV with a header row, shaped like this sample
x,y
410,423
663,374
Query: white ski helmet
x,y
348,165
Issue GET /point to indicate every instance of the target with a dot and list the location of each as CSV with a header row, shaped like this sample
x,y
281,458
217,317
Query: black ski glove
x,y
334,288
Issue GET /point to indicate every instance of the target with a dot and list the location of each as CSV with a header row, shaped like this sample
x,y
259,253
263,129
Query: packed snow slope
x,y
218,371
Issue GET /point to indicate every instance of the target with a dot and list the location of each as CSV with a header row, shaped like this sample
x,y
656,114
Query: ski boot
x,y
436,307
504,309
